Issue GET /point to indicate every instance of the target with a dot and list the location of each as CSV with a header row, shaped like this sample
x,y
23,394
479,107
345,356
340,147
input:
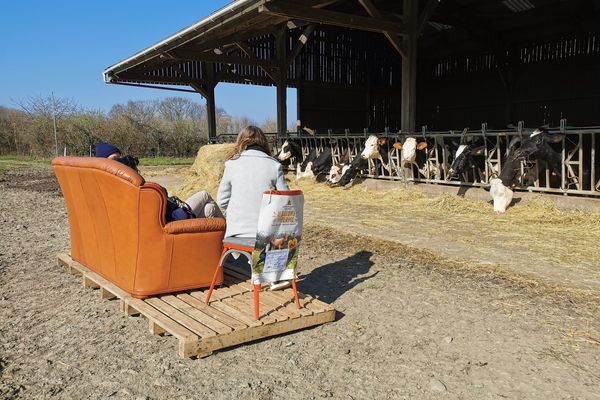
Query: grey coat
x,y
240,192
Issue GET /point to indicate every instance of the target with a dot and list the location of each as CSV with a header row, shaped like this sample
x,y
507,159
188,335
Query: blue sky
x,y
62,46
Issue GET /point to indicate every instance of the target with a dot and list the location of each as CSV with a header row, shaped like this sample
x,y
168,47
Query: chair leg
x,y
295,293
256,300
214,279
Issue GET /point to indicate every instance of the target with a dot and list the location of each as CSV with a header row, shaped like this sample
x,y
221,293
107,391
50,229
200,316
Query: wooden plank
x,y
294,11
279,300
247,307
106,285
212,312
65,260
285,298
393,39
254,333
235,313
87,282
105,294
198,315
161,319
282,306
181,318
266,308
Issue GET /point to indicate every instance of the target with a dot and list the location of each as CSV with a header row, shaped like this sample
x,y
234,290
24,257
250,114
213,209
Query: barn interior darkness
x,y
476,61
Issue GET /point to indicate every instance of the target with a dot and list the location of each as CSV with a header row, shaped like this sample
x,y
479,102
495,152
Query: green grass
x,y
154,161
15,162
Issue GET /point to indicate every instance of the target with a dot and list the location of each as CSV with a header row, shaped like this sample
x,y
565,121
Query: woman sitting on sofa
x,y
201,204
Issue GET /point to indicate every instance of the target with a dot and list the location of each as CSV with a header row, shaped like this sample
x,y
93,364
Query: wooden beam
x,y
426,14
409,70
318,3
230,39
221,58
393,39
294,11
300,44
157,79
211,108
281,52
248,51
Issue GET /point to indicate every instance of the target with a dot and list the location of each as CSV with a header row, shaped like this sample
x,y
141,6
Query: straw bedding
x,y
207,170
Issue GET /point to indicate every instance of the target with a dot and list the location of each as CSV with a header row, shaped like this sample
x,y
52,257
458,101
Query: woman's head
x,y
251,136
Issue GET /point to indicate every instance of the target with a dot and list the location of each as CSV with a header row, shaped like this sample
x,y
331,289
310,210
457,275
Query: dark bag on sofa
x,y
178,209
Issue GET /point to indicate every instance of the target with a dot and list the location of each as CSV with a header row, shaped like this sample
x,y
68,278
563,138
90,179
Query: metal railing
x,y
580,162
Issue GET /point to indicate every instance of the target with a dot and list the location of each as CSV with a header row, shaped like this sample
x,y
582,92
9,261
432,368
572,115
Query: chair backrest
x,y
102,198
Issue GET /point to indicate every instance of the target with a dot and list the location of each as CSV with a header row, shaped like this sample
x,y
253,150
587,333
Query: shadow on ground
x,y
331,281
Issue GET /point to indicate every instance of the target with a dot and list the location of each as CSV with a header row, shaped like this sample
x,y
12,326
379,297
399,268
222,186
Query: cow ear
x,y
398,146
554,138
422,146
478,151
381,141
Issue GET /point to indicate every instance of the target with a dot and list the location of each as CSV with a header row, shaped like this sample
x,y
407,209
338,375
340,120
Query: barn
x,y
443,70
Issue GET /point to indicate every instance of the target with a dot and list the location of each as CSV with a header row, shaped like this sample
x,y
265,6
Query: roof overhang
x,y
193,32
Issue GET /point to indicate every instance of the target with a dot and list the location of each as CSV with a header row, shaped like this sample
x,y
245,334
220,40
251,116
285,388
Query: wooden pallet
x,y
227,321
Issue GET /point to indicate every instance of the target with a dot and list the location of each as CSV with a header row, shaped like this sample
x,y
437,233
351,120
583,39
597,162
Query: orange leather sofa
x,y
118,230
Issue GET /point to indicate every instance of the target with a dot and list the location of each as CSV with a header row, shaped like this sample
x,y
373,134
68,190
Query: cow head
x,y
357,165
286,151
501,195
337,171
463,158
409,150
372,145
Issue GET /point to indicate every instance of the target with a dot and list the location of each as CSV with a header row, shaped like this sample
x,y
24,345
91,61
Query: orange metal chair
x,y
245,247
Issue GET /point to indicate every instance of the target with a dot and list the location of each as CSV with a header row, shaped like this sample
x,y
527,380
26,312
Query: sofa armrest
x,y
195,225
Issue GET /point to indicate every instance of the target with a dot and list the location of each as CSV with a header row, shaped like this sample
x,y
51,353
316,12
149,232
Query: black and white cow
x,y
304,169
291,149
467,156
315,166
337,171
357,166
322,164
532,148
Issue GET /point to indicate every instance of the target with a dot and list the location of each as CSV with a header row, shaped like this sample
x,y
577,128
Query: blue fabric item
x,y
106,149
181,213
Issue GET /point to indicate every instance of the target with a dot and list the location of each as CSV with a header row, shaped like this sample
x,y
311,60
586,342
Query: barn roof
x,y
238,43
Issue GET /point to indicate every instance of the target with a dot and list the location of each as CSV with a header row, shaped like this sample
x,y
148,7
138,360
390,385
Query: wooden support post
x,y
211,109
282,82
409,68
211,112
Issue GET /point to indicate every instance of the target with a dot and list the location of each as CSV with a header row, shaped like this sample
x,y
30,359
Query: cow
x,y
291,149
304,169
322,164
376,148
315,166
532,148
412,153
357,166
467,156
337,171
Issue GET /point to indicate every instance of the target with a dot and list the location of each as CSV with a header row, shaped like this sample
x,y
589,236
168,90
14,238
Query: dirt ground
x,y
411,324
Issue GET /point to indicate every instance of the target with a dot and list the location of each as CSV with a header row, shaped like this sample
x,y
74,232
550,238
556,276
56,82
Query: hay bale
x,y
207,170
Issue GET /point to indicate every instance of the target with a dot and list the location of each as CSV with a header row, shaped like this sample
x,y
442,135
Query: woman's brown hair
x,y
251,136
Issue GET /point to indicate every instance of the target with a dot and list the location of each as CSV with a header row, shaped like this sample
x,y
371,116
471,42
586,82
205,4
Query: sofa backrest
x,y
102,198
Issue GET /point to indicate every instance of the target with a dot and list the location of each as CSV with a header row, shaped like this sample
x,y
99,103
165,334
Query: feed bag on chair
x,y
278,236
